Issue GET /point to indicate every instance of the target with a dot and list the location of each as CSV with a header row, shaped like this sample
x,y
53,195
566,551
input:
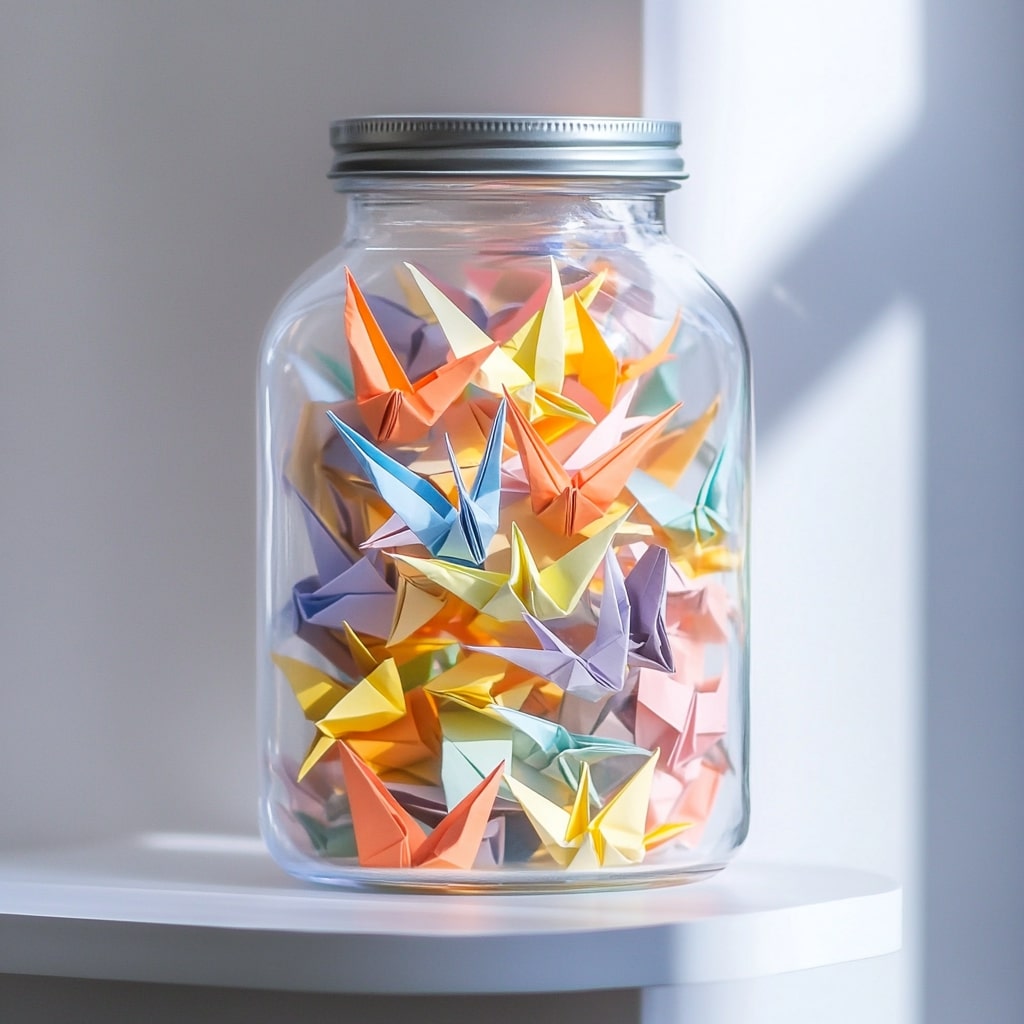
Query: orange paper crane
x,y
394,409
597,367
569,501
387,836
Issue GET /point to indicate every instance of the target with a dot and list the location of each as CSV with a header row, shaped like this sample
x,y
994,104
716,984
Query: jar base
x,y
496,883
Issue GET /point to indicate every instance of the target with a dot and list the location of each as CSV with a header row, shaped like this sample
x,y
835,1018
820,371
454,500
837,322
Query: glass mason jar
x,y
504,456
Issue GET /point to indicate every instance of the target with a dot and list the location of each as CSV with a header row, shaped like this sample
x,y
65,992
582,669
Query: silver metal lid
x,y
506,147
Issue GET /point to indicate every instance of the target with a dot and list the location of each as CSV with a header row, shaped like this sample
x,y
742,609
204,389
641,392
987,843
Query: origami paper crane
x,y
407,748
420,346
345,588
360,596
375,701
466,337
668,715
387,836
566,501
421,802
632,369
547,593
552,749
598,369
330,555
574,452
316,691
534,371
462,299
614,836
452,533
475,681
394,409
670,456
645,588
466,428
597,670
472,744
705,521
513,323
417,601
708,517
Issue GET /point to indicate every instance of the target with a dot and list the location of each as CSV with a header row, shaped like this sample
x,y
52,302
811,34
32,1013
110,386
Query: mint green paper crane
x,y
707,518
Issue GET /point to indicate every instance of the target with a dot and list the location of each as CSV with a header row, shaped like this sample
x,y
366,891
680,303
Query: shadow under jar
x,y
504,463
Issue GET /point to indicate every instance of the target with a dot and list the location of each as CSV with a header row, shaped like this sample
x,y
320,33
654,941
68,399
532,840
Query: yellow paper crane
x,y
547,593
477,682
614,837
376,701
315,690
530,367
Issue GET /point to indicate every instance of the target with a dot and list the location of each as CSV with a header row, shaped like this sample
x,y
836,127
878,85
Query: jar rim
x,y
528,146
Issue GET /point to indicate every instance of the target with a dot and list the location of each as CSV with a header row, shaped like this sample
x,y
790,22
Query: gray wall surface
x,y
940,224
963,236
161,182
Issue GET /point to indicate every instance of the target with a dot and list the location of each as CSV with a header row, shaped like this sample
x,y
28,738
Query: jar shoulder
x,y
322,283
658,279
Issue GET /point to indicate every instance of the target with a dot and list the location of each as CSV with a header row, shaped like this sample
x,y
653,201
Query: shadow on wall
x,y
941,223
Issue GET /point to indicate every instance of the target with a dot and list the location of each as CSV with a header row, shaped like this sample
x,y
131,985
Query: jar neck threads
x,y
398,213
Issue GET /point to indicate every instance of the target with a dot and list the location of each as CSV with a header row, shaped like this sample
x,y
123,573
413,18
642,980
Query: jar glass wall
x,y
505,440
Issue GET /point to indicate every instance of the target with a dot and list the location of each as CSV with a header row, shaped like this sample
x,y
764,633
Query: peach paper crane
x,y
394,409
387,836
568,502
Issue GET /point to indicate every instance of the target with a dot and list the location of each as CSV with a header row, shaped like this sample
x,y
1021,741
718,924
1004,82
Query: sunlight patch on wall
x,y
837,620
786,109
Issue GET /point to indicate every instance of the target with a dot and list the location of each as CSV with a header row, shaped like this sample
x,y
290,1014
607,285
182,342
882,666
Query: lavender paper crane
x,y
346,588
600,668
646,587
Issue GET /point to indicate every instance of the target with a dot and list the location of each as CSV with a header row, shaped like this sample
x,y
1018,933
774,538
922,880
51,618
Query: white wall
x,y
787,109
855,186
162,181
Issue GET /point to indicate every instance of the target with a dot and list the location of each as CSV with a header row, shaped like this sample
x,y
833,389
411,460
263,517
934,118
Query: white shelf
x,y
216,911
